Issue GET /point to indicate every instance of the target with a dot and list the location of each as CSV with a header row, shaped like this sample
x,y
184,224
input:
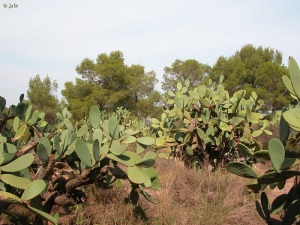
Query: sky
x,y
52,37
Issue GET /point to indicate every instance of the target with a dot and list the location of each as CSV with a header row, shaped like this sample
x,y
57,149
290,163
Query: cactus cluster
x,y
206,125
284,165
42,164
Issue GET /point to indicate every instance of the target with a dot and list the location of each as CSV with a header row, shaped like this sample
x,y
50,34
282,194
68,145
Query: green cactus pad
x,y
150,155
146,141
147,196
127,158
260,210
146,163
284,130
288,84
289,163
194,95
256,187
128,139
28,113
96,150
244,150
42,152
241,169
264,154
170,93
2,103
34,117
46,143
82,130
202,90
18,164
136,175
278,203
68,124
270,177
113,127
10,148
10,198
95,116
98,134
265,205
152,174
15,181
59,116
147,182
33,189
83,152
276,152
295,76
273,177
179,86
20,132
56,143
292,117
257,133
204,102
44,215
117,148
179,102
16,123
292,213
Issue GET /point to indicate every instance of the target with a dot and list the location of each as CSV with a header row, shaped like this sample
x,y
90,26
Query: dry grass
x,y
189,197
185,197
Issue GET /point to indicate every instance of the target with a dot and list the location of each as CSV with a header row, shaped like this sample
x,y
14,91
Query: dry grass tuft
x,y
190,197
104,207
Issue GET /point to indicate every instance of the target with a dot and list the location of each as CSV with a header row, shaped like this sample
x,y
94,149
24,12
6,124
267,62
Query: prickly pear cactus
x,y
41,165
206,125
284,158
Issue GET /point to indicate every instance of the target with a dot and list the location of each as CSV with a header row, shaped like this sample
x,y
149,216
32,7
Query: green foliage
x,y
180,71
109,83
41,95
206,125
276,152
254,69
15,181
33,189
241,169
100,150
95,116
81,96
284,164
20,163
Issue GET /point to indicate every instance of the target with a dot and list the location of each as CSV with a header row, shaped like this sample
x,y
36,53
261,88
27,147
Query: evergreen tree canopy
x,y
41,94
180,71
108,83
254,69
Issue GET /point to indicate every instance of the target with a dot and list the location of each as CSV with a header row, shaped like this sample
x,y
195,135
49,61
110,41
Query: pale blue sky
x,y
52,37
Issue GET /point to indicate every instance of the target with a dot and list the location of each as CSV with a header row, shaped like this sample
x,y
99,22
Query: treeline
x,y
109,83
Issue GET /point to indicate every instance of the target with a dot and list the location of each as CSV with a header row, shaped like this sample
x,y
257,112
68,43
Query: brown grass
x,y
186,197
190,197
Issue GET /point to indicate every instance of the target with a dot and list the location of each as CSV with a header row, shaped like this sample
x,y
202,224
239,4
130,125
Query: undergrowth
x,y
186,197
